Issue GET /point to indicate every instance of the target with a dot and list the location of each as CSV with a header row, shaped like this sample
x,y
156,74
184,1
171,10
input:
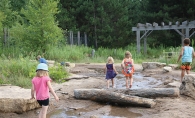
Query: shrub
x,y
58,73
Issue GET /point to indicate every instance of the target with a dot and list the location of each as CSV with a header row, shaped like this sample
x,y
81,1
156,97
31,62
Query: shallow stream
x,y
140,81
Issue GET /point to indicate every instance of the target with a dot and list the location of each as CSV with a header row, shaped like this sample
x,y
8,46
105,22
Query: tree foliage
x,y
40,29
105,21
108,23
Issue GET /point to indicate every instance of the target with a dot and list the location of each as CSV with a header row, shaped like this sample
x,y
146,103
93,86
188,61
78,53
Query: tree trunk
x,y
113,97
94,15
152,92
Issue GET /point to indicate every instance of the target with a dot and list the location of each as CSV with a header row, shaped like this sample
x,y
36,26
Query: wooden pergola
x,y
182,29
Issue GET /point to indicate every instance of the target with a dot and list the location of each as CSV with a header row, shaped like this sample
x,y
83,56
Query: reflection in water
x,y
123,112
116,112
62,113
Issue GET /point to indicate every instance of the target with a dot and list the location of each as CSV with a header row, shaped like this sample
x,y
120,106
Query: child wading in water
x,y
110,71
128,68
41,85
186,54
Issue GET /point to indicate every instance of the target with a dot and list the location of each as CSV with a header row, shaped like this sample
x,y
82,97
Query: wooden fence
x,y
77,38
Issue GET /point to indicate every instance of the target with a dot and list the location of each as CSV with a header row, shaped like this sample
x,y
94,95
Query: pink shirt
x,y
41,88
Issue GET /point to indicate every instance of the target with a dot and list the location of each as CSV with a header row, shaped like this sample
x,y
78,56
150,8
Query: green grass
x,y
17,68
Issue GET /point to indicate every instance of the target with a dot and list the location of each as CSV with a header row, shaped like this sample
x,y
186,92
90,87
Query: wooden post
x,y
187,33
70,37
85,36
78,37
182,37
145,45
138,40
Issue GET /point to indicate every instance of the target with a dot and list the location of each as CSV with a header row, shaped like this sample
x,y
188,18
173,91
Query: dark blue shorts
x,y
43,102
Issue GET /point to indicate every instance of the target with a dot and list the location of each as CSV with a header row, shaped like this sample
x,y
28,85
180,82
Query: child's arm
x,y
115,69
181,53
32,92
52,91
132,62
105,69
193,54
122,65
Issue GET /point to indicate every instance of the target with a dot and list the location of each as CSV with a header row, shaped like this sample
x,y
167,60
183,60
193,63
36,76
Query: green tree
x,y
2,17
66,16
165,11
10,17
40,31
17,5
106,22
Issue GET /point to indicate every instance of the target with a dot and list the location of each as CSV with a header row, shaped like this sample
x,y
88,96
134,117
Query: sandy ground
x,y
180,107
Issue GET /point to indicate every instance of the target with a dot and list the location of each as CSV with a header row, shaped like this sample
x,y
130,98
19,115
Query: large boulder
x,y
152,65
17,105
16,99
188,86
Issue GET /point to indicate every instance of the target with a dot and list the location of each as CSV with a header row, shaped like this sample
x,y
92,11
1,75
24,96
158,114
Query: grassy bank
x,y
17,68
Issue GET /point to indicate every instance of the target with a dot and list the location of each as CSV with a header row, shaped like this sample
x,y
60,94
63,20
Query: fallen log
x,y
113,97
151,92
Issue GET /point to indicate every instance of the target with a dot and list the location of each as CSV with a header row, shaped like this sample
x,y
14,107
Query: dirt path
x,y
181,107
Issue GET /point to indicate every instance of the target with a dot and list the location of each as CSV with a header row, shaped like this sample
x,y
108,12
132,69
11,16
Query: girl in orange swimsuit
x,y
128,68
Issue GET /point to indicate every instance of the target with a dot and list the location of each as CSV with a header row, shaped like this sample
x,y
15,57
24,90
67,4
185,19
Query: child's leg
x,y
188,67
182,74
43,112
127,79
112,82
108,83
188,71
131,82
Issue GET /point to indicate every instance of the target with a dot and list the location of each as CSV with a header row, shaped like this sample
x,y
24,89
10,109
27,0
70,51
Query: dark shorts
x,y
186,66
43,102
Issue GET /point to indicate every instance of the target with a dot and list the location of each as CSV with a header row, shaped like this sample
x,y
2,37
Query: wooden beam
x,y
179,32
170,23
140,25
192,22
192,34
185,22
154,24
162,24
177,23
166,27
148,25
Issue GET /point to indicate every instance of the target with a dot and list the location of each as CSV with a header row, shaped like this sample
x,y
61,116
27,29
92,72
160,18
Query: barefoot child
x,y
41,85
110,71
186,54
128,68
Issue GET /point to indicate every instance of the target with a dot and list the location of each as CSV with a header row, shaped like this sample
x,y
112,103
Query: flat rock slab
x,y
14,92
175,84
152,65
16,99
74,76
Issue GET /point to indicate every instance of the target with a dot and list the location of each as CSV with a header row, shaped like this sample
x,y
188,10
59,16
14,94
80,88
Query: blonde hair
x,y
38,57
128,54
110,60
41,73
